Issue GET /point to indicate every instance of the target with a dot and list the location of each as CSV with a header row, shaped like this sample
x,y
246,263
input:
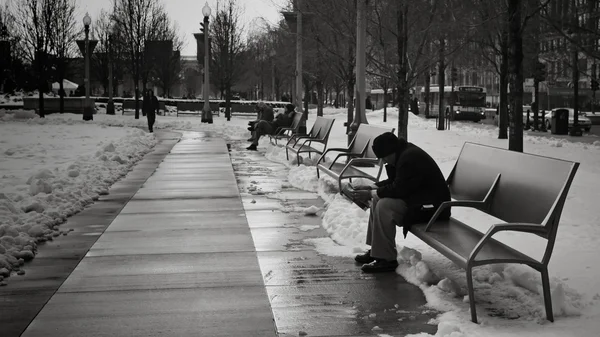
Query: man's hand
x,y
362,194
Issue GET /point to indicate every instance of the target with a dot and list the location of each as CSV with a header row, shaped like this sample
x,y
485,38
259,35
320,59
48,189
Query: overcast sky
x,y
188,14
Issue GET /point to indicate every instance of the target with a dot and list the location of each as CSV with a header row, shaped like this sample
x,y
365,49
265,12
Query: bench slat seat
x,y
457,241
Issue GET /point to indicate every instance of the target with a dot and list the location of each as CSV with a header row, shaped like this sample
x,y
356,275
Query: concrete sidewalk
x,y
178,260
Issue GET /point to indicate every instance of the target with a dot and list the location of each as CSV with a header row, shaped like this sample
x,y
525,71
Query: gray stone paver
x,y
177,261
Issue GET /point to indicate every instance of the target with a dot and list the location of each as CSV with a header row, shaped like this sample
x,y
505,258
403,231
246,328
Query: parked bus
x,y
468,102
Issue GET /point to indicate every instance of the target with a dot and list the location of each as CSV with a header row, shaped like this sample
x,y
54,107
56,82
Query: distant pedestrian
x,y
155,104
150,110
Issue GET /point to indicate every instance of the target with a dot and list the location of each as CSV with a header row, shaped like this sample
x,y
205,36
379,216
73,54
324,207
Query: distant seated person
x,y
264,113
264,127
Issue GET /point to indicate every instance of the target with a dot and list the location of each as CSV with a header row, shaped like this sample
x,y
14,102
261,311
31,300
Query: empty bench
x,y
525,192
360,155
319,134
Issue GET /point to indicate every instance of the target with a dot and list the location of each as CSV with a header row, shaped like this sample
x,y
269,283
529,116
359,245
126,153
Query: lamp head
x,y
87,20
206,10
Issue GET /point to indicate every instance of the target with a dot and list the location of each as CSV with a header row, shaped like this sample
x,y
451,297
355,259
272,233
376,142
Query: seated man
x,y
268,128
415,188
264,112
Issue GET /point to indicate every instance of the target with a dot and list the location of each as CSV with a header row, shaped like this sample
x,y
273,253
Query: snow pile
x,y
52,170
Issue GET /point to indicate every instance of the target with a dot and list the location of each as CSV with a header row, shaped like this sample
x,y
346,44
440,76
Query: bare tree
x,y
134,21
227,48
34,25
62,36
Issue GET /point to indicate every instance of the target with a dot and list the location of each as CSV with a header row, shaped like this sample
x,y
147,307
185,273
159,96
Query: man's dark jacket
x,y
417,180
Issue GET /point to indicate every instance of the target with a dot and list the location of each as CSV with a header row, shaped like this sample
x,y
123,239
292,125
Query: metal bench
x,y
287,132
528,194
319,133
359,152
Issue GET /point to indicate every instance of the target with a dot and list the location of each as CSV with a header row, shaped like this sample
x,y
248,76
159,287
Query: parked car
x,y
541,114
583,122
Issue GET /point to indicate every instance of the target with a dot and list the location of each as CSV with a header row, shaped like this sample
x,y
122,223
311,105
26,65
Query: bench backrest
x,y
531,189
296,121
325,125
472,175
361,144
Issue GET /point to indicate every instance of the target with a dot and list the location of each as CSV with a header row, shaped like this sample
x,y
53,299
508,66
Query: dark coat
x,y
417,180
266,114
283,120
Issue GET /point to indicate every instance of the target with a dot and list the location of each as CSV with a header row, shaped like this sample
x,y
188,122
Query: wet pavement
x,y
309,292
176,249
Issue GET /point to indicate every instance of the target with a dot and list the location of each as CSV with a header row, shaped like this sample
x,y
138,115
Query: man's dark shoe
x,y
252,147
380,266
364,258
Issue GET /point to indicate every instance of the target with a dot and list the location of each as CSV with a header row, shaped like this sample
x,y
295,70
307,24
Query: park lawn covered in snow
x,y
51,169
512,293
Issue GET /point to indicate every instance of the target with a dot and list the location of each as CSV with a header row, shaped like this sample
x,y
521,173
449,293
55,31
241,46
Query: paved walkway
x,y
178,260
196,241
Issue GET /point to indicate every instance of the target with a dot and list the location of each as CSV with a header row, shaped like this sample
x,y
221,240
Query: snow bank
x,y
51,169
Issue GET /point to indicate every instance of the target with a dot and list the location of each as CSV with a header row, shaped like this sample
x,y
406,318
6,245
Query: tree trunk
x,y
61,92
503,113
441,84
41,85
350,106
385,102
515,137
307,99
320,98
427,92
403,87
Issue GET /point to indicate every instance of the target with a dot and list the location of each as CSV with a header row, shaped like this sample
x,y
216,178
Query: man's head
x,y
289,108
386,146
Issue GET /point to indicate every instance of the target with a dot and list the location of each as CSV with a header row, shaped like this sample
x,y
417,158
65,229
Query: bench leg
x,y
298,158
318,172
287,157
547,295
471,294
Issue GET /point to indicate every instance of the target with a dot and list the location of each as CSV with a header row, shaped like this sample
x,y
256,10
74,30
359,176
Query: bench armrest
x,y
371,161
345,152
296,139
455,203
514,227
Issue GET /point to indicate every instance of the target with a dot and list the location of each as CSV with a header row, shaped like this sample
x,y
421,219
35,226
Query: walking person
x,y
149,105
415,188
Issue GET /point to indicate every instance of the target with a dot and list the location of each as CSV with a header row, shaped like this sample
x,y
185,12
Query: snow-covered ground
x,y
510,292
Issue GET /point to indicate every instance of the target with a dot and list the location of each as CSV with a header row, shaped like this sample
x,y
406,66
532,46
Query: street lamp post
x,y
88,112
206,112
110,107
575,130
273,92
361,43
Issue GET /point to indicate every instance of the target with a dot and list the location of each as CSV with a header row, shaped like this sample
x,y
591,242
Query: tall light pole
x,y
273,93
361,45
110,107
206,113
88,110
299,71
